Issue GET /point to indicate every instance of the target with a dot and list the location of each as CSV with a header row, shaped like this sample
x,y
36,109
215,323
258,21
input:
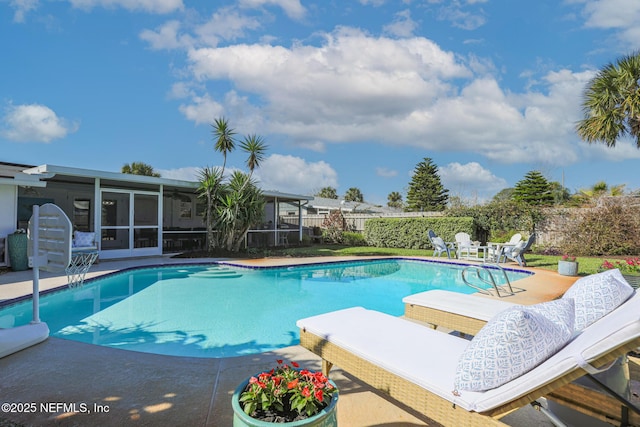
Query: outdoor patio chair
x,y
465,247
419,366
468,314
516,253
439,245
495,249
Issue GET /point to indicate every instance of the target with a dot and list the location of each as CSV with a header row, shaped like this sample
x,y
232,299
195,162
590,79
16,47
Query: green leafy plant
x,y
629,266
288,392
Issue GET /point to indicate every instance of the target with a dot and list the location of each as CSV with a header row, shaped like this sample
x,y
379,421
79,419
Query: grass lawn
x,y
587,265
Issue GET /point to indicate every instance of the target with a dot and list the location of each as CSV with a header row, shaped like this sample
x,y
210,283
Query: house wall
x,y
7,217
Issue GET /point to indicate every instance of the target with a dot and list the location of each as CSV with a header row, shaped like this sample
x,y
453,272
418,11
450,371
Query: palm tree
x,y
394,200
224,138
255,147
209,190
612,103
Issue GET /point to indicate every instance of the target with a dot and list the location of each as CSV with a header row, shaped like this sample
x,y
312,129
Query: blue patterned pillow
x,y
83,239
513,342
597,295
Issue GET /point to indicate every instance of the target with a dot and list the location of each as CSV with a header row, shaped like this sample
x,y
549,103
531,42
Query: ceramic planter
x,y
17,247
568,268
328,417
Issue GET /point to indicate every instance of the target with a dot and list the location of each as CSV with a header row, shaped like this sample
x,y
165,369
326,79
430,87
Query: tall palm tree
x,y
223,134
209,190
612,103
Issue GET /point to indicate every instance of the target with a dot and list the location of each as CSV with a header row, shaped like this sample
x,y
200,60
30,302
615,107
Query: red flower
x,y
319,395
306,392
279,361
292,384
295,364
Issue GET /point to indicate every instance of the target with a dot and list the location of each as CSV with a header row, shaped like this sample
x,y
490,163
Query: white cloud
x,y
35,123
190,173
292,8
402,25
295,175
167,37
622,15
455,13
386,172
456,176
225,24
625,149
202,110
355,87
22,7
151,6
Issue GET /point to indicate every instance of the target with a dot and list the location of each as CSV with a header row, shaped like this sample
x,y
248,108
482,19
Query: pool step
x,y
217,273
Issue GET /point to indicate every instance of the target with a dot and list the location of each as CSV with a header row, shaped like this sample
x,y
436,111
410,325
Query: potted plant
x,y
568,266
286,394
629,267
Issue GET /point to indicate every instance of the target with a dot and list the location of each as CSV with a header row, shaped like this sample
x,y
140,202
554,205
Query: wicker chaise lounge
x,y
417,365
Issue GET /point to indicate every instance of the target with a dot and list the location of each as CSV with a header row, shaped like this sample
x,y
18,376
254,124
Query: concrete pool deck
x,y
120,387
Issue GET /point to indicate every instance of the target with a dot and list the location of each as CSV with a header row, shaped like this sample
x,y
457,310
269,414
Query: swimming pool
x,y
218,310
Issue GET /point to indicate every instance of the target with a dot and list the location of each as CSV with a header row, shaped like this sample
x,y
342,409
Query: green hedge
x,y
411,233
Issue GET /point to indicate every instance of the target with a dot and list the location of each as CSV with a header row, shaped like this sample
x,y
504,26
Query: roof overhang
x,y
26,180
112,176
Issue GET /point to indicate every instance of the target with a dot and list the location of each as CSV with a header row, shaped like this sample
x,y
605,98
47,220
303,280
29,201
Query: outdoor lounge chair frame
x,y
431,405
609,407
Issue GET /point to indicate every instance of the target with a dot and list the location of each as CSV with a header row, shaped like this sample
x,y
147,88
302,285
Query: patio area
x,y
112,387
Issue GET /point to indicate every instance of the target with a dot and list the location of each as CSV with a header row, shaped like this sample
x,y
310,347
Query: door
x,y
129,224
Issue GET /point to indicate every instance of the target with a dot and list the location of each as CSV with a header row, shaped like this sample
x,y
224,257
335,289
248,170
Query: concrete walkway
x,y
77,384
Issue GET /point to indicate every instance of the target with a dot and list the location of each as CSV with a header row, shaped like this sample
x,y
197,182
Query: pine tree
x,y
533,189
426,192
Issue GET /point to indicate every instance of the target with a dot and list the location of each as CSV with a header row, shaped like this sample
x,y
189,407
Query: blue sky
x,y
346,93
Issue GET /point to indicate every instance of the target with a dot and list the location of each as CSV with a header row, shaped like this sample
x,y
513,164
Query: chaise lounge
x,y
420,367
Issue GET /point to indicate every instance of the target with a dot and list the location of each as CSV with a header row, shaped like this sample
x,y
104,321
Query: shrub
x,y
411,233
351,238
609,229
496,221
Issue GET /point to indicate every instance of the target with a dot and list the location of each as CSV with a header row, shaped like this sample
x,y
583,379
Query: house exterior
x,y
324,206
131,215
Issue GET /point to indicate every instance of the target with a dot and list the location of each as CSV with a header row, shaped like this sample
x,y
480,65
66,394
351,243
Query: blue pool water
x,y
223,311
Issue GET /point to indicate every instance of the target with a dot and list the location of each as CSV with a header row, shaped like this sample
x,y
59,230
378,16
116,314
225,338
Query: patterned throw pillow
x,y
597,295
83,239
513,342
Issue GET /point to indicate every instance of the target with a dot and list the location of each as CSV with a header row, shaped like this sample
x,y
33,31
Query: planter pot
x,y
633,280
568,268
328,417
17,247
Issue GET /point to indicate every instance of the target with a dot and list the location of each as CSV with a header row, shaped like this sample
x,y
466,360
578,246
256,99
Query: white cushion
x,y
513,342
84,239
597,295
464,305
